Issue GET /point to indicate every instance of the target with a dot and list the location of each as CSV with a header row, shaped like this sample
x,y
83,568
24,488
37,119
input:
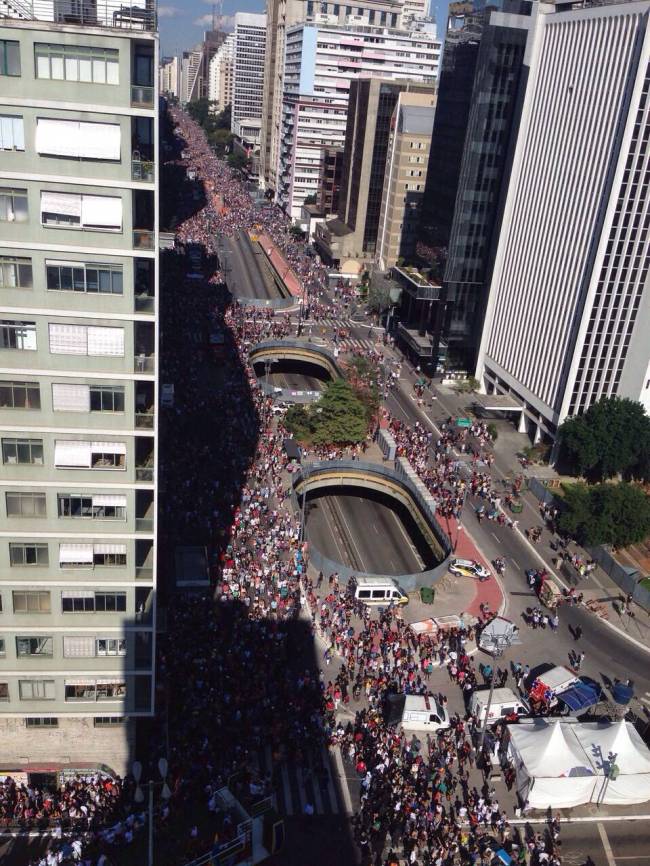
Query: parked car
x,y
469,568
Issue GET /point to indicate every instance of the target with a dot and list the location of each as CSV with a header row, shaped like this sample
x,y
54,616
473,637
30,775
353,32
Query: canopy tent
x,y
618,752
552,768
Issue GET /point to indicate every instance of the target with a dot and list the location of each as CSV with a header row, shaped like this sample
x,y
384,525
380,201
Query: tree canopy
x,y
611,438
339,417
615,514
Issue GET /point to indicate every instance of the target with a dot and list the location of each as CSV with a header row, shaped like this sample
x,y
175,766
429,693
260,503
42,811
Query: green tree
x,y
614,514
339,417
611,438
379,297
237,160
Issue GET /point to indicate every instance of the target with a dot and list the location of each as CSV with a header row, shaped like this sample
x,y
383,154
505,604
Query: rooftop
x,y
417,119
116,14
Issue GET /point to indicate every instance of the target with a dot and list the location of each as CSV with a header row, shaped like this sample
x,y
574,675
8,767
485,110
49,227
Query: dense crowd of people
x,y
237,664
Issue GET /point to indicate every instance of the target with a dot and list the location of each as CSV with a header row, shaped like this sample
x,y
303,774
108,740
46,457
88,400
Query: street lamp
x,y
165,794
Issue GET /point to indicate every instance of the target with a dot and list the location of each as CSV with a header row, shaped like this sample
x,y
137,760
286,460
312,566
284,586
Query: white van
x,y
504,703
379,590
423,713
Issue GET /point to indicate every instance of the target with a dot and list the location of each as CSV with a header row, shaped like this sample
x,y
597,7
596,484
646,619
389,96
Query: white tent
x,y
618,744
551,766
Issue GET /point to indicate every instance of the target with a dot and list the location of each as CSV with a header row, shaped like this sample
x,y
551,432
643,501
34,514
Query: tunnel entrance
x,y
292,374
368,531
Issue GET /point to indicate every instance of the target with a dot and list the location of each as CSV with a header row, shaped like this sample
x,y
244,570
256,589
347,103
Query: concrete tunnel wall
x,y
375,476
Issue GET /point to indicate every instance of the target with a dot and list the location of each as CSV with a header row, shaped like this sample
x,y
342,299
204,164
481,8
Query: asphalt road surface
x,y
245,273
362,534
294,381
607,654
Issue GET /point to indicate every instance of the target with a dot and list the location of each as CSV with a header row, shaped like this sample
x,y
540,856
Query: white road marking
x,y
606,846
495,536
515,561
343,783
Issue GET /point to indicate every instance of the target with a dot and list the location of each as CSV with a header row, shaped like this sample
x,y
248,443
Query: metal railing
x,y
143,572
143,170
143,239
144,304
144,524
88,13
144,473
144,420
144,363
142,96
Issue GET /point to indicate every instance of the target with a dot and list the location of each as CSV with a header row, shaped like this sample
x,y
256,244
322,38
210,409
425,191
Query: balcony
x,y
144,363
144,303
143,524
143,239
143,170
88,13
143,572
144,473
142,96
144,420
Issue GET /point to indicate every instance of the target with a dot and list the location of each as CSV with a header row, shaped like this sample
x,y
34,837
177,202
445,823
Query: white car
x,y
469,568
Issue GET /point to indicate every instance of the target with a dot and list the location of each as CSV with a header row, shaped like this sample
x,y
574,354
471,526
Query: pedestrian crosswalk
x,y
308,788
351,342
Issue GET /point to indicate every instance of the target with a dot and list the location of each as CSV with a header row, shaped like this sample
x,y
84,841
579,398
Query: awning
x,y
108,447
101,211
74,454
109,499
74,553
581,696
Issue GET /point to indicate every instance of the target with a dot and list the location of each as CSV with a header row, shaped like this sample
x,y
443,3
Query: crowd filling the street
x,y
276,657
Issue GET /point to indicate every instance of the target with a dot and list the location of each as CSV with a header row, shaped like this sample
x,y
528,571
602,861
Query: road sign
x,y
463,422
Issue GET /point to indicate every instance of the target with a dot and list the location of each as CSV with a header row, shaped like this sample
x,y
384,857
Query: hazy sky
x,y
182,22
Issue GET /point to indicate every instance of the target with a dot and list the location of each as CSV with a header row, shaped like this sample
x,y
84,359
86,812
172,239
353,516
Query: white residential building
x,y
250,47
170,76
569,302
78,384
320,62
221,75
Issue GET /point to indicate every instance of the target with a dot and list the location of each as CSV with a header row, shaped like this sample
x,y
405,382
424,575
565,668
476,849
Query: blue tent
x,y
581,696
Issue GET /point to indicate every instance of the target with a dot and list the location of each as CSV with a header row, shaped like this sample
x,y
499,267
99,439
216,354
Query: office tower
x,y
330,180
170,76
78,381
283,14
195,66
569,305
321,62
353,234
406,169
221,75
250,46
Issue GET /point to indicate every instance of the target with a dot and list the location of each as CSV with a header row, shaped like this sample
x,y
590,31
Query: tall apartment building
x,y
78,382
195,66
170,76
250,47
351,238
321,61
569,304
283,14
221,74
406,170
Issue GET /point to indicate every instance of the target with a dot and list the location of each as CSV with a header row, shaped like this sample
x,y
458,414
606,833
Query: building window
x,y
9,57
34,646
22,451
88,601
41,722
12,133
94,690
31,601
77,63
107,398
36,690
28,554
4,691
21,504
108,721
76,211
90,455
2,647
20,395
89,555
99,507
17,335
111,646
79,277
15,272
87,340
77,139
13,205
